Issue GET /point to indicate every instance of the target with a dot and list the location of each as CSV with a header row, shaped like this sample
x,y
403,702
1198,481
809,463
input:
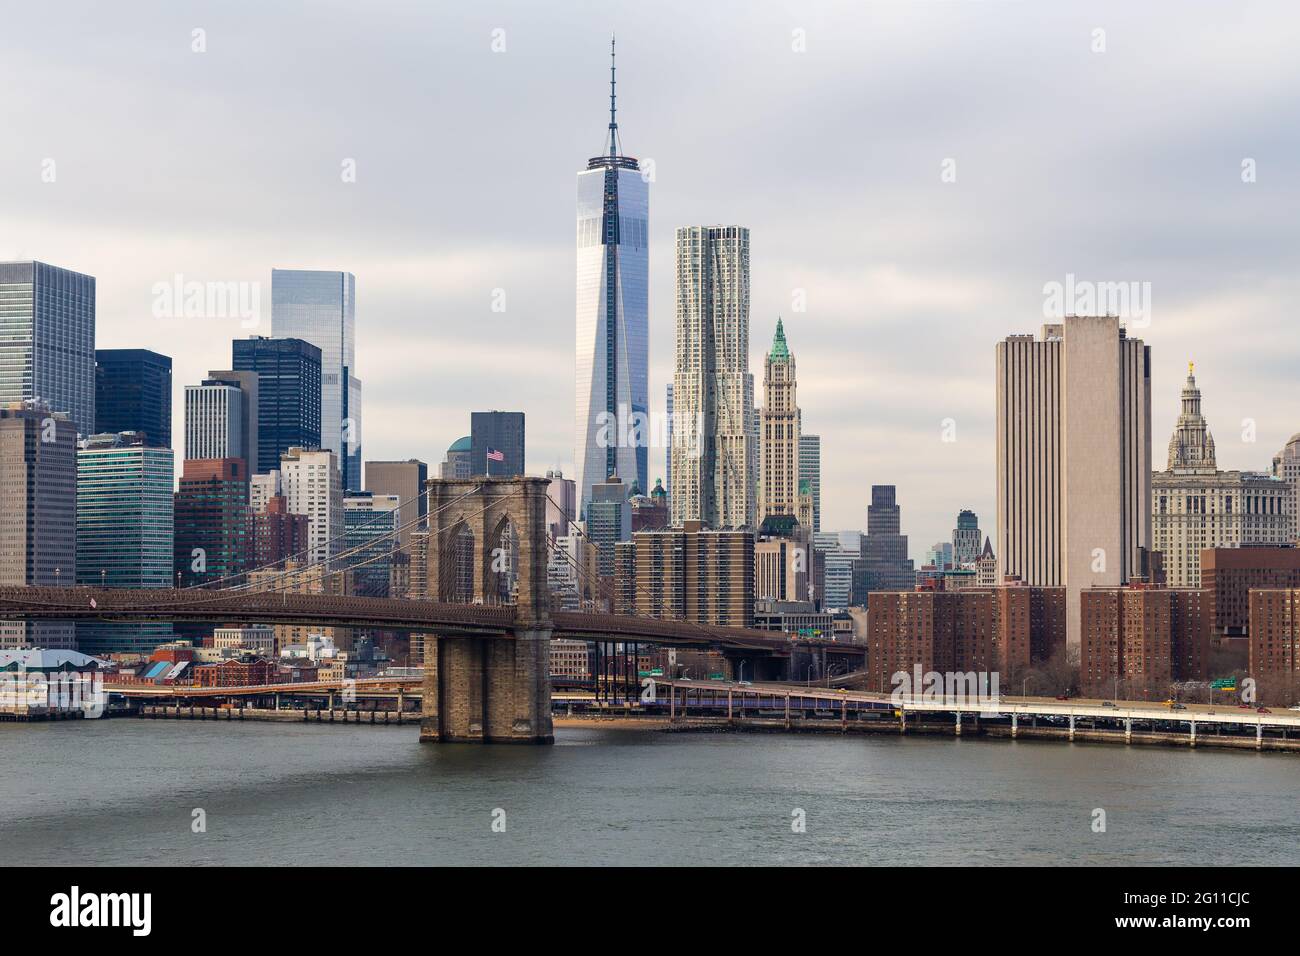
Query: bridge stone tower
x,y
487,545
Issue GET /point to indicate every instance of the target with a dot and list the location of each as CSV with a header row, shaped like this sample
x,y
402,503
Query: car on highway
x,y
1062,696
1108,703
744,683
1177,706
1264,710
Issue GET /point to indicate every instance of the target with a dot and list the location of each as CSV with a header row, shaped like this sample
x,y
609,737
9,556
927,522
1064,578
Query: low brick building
x,y
236,672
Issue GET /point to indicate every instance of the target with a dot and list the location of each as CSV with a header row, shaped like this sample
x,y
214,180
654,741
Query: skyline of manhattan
x,y
894,340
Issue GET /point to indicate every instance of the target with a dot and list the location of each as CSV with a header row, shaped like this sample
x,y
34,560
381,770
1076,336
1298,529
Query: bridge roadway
x,y
712,694
441,618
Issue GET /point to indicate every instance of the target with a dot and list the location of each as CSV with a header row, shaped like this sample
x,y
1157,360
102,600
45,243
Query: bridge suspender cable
x,y
278,585
207,585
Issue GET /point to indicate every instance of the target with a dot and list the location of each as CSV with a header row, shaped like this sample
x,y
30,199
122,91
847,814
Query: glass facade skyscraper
x,y
612,317
320,308
47,339
288,395
133,393
124,533
810,470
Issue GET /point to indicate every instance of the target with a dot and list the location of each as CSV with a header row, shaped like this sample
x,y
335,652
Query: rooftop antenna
x,y
613,109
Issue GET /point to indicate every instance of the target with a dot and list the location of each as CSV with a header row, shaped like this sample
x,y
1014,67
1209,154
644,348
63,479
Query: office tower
x,y
883,564
457,463
313,487
212,525
668,456
124,532
1286,466
561,504
38,520
692,573
214,421
320,308
133,393
406,480
609,521
966,539
124,513
370,524
940,555
496,444
1074,457
840,551
713,390
250,402
1197,506
779,430
612,324
279,535
47,340
288,395
810,470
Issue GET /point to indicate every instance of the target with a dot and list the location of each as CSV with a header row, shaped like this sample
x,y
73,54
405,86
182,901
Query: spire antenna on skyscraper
x,y
613,103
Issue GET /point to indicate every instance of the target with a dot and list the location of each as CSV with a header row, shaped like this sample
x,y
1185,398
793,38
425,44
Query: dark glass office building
x,y
501,436
47,340
133,393
288,395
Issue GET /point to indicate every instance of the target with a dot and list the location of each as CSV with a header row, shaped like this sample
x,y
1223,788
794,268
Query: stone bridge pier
x,y
484,534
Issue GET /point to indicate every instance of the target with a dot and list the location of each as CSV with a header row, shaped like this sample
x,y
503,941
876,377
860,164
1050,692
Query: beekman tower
x,y
612,316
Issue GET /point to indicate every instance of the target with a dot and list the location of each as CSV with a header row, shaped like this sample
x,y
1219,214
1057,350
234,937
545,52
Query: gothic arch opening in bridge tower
x,y
502,558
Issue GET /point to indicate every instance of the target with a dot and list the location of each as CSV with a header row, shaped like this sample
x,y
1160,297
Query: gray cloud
x,y
1113,166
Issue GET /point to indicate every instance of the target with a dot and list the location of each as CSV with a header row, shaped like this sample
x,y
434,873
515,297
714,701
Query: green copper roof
x,y
460,444
779,349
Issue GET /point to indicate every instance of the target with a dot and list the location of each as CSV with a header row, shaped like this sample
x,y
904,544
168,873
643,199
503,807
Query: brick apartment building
x,y
992,630
1136,640
1275,635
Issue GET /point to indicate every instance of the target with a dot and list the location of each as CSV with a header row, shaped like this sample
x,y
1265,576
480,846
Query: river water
x,y
126,791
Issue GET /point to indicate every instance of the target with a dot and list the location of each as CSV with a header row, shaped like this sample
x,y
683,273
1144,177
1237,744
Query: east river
x,y
126,791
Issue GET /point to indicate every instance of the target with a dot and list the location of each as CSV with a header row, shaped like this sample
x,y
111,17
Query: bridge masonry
x,y
488,689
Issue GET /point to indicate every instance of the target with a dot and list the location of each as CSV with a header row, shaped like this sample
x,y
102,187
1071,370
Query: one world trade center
x,y
612,316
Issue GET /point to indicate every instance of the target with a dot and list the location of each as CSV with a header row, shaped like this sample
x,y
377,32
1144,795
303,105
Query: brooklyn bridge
x,y
487,661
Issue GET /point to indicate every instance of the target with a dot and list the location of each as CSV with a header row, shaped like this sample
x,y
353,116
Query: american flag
x,y
494,455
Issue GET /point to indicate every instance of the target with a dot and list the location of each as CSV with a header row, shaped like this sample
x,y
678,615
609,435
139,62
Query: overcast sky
x,y
823,127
